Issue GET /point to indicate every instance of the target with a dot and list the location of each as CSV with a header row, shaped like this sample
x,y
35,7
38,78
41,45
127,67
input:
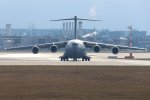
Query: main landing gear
x,y
62,58
85,58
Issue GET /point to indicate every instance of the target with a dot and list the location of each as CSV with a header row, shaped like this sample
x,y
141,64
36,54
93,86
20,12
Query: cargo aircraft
x,y
75,49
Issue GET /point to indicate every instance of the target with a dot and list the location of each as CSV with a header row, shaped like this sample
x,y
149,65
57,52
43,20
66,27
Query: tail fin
x,y
75,19
2,46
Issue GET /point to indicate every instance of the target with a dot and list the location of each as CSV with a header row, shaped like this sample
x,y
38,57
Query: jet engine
x,y
35,50
96,48
115,50
53,48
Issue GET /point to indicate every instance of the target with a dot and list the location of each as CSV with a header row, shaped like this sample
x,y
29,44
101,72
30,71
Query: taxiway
x,y
13,58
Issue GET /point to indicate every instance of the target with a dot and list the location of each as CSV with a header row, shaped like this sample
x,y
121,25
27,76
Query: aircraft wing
x,y
109,46
46,45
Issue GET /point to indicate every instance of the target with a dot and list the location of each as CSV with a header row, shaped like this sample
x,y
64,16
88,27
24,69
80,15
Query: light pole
x,y
130,34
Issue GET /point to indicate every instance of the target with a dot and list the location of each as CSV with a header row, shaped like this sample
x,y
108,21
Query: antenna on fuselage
x,y
75,19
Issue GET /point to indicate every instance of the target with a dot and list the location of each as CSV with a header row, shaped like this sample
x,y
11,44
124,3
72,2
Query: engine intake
x,y
35,50
96,48
115,50
53,48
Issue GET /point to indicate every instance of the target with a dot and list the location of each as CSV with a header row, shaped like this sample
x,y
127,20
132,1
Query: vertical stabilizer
x,y
75,19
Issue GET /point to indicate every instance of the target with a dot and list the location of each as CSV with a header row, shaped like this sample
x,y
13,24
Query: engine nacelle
x,y
96,48
53,48
35,50
115,50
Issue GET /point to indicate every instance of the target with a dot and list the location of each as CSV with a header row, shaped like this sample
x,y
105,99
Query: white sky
x,y
115,14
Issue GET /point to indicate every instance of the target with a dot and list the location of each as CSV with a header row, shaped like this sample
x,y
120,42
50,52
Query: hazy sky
x,y
115,14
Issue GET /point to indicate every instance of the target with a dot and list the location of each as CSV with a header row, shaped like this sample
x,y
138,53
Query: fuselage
x,y
75,49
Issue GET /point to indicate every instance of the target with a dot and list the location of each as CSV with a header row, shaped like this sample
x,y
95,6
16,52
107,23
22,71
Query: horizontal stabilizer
x,y
63,19
75,19
88,19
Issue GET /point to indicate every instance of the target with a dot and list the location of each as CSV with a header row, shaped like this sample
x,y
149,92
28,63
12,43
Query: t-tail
x,y
75,19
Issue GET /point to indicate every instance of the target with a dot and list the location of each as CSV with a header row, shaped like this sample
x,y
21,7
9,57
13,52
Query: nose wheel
x,y
74,59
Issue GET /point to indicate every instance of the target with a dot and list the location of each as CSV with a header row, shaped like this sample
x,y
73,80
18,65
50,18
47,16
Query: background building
x,y
31,36
1,43
8,30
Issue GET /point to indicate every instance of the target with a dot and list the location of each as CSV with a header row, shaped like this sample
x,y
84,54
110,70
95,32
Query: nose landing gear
x,y
75,59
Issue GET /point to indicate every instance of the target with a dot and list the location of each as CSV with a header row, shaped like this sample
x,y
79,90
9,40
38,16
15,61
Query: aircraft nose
x,y
74,44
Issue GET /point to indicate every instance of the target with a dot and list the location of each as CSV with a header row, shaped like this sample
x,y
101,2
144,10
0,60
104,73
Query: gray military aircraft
x,y
75,49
